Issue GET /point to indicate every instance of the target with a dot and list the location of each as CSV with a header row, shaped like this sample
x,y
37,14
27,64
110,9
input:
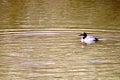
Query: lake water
x,y
39,40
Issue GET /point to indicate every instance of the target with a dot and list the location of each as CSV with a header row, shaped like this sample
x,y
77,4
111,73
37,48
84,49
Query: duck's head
x,y
83,34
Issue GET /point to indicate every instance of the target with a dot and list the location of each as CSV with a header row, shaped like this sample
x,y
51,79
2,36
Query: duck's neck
x,y
84,36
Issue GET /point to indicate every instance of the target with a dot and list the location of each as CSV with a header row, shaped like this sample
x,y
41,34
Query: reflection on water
x,y
57,55
39,40
59,14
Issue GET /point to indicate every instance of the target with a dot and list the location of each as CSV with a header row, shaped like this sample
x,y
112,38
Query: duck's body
x,y
88,39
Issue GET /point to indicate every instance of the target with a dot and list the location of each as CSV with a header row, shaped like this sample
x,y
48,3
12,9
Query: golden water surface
x,y
39,40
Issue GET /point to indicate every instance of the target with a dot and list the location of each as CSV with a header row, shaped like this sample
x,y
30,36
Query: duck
x,y
88,39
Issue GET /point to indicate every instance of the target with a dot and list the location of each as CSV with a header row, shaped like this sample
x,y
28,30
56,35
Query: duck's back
x,y
90,39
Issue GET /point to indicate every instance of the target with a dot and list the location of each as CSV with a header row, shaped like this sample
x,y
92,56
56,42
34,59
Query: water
x,y
39,40
58,54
